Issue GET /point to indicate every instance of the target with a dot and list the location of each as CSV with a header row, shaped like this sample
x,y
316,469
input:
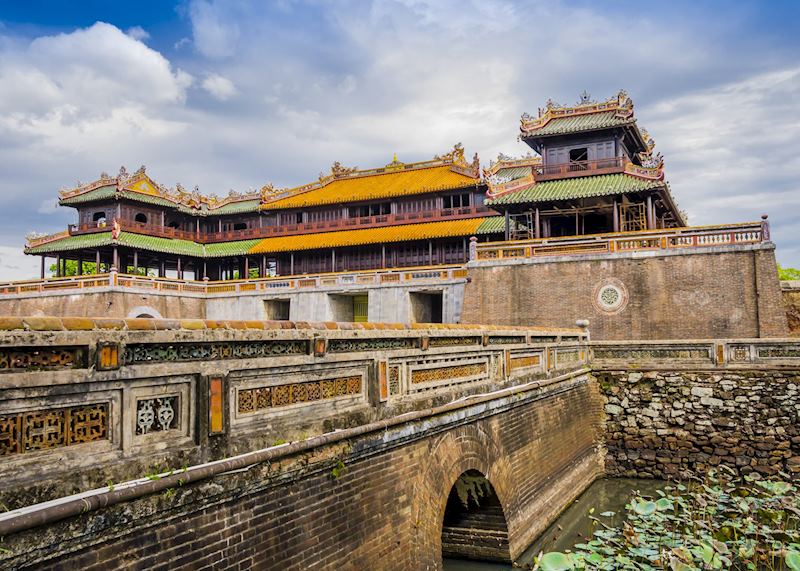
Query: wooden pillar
x,y
219,226
58,265
79,269
577,223
616,215
43,263
383,256
162,268
115,259
136,262
430,253
180,269
649,212
97,262
536,222
291,263
508,225
246,268
333,260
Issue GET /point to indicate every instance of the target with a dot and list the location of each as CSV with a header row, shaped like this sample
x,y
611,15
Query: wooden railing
x,y
288,229
579,168
666,239
114,279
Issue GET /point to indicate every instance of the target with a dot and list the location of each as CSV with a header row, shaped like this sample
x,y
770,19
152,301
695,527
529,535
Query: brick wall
x,y
374,501
723,292
791,301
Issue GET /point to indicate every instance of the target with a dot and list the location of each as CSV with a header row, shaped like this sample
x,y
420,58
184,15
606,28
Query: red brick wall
x,y
726,294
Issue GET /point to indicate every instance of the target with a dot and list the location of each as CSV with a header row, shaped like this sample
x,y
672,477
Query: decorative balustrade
x,y
204,237
114,279
675,354
579,168
652,240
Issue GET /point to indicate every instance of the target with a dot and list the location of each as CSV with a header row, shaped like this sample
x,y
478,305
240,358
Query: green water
x,y
574,524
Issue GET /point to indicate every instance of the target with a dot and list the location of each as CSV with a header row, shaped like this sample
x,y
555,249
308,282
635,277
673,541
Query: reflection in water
x,y
574,525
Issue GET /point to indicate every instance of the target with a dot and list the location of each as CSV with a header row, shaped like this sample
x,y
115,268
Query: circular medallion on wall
x,y
610,296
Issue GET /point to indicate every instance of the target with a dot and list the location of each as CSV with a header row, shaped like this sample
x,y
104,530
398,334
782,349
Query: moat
x,y
574,524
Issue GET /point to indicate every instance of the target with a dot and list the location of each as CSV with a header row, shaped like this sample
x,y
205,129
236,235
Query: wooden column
x,y
205,270
333,260
383,256
162,268
577,224
536,223
649,213
97,262
616,215
291,263
136,262
42,266
79,269
508,225
163,219
115,259
220,225
430,253
58,265
246,268
180,270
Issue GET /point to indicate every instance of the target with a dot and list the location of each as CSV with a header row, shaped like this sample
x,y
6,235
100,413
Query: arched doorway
x,y
474,525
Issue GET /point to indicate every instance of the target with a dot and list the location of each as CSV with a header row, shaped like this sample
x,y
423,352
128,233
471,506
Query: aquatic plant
x,y
722,522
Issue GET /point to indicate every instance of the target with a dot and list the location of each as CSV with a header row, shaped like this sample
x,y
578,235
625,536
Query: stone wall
x,y
84,402
366,498
676,411
791,300
702,293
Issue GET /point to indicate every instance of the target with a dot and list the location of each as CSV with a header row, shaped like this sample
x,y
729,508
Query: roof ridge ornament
x,y
621,104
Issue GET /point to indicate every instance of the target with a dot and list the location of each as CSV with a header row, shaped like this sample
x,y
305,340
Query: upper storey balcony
x,y
287,229
579,168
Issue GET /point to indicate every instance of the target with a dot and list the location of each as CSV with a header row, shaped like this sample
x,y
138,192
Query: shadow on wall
x,y
474,525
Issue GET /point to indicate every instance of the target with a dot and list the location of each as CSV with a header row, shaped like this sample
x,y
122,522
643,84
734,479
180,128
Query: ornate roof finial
x,y
586,98
338,170
394,157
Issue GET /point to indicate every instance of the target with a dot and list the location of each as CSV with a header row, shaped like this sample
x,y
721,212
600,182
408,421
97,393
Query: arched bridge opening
x,y
474,525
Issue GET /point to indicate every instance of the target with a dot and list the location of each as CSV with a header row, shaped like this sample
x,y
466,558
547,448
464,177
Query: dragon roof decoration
x,y
454,159
620,104
139,182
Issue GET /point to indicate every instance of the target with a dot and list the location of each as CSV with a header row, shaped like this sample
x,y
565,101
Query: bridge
x,y
237,445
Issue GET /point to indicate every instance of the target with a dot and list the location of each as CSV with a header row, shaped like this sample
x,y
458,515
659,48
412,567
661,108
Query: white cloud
x,y
221,88
137,33
215,36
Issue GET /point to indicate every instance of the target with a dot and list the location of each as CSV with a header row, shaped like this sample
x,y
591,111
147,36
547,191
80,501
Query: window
x,y
98,216
578,158
299,218
141,218
456,200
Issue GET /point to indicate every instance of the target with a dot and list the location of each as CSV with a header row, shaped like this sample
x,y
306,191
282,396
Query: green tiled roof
x,y
492,225
579,187
144,242
108,192
73,243
237,248
513,173
102,193
576,123
236,207
156,244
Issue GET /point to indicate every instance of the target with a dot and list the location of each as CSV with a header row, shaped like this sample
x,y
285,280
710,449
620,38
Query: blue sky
x,y
236,94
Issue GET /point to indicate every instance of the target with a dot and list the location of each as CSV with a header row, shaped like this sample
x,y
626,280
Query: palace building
x,y
593,172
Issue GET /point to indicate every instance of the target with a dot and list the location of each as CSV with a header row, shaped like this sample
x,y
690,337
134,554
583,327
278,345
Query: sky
x,y
237,94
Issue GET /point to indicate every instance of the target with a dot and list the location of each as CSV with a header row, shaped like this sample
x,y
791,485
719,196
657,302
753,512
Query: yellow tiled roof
x,y
401,233
376,186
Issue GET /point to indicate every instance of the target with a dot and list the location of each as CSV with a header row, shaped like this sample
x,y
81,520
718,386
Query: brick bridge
x,y
264,445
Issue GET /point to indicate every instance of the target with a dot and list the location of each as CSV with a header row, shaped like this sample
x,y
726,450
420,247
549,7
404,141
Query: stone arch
x,y
144,311
474,524
468,447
